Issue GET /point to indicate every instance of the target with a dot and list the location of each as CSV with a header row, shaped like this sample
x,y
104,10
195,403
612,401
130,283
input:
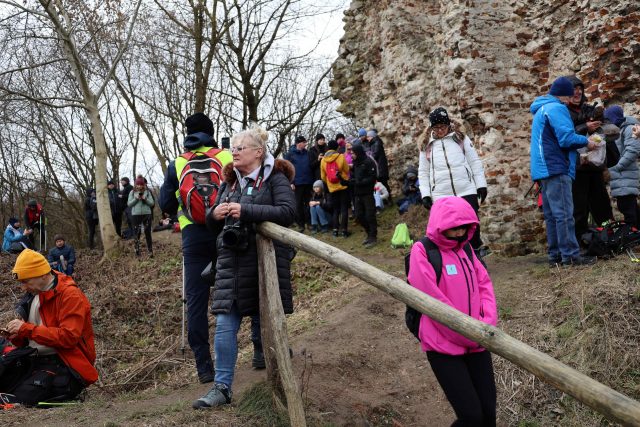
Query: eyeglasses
x,y
240,148
440,128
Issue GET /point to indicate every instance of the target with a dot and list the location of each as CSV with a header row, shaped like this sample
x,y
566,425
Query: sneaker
x,y
218,395
581,260
258,359
335,233
371,241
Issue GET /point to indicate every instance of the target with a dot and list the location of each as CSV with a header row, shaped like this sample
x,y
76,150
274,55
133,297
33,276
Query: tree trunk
x,y
107,229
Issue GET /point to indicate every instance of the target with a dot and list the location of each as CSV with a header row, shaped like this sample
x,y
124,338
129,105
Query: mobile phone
x,y
226,142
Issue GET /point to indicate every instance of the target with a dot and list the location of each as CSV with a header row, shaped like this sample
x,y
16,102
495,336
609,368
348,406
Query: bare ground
x,y
357,363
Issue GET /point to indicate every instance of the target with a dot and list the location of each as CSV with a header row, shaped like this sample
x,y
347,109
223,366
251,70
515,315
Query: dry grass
x,y
588,318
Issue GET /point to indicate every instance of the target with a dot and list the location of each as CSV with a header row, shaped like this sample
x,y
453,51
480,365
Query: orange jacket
x,y
66,326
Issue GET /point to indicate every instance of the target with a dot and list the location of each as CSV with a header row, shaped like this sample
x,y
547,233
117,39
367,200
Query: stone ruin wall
x,y
485,61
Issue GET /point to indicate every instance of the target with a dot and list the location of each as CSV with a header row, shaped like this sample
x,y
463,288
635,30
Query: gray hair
x,y
256,136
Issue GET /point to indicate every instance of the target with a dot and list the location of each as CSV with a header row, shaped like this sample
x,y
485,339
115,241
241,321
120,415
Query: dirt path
x,y
359,366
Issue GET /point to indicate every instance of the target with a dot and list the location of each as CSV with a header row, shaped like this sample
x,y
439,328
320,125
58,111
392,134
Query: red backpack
x,y
199,183
333,172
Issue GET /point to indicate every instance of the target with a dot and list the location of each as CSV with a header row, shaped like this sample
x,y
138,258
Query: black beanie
x,y
199,122
319,137
439,116
332,145
300,139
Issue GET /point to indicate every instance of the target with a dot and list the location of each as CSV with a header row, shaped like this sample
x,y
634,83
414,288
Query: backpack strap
x,y
433,256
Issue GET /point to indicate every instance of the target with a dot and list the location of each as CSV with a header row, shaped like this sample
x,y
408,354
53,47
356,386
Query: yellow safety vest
x,y
224,157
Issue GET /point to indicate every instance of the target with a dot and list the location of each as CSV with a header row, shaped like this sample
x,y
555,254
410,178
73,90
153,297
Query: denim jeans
x,y
557,205
225,343
318,216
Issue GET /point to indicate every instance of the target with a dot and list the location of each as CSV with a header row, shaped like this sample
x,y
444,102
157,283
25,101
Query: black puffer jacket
x,y
376,148
364,172
237,272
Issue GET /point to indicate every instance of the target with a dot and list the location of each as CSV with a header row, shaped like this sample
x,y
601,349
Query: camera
x,y
235,237
141,193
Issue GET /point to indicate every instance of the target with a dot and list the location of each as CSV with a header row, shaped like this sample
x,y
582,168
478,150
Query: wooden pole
x,y
612,404
273,328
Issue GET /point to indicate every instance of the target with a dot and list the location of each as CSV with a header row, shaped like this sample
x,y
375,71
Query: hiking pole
x,y
184,307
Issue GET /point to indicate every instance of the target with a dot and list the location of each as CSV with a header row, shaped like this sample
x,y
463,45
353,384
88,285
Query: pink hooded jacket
x,y
464,285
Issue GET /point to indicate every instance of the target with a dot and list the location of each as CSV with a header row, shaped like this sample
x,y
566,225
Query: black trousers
x,y
303,197
476,241
469,385
590,195
366,214
37,228
628,206
146,220
340,204
117,222
91,224
49,379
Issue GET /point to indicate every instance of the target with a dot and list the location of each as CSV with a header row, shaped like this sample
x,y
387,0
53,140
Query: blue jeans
x,y
225,343
318,216
557,205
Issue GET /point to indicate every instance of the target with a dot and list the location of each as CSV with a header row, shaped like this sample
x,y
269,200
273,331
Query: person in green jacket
x,y
141,203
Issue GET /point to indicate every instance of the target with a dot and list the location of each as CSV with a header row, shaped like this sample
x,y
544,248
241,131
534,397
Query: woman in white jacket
x,y
450,166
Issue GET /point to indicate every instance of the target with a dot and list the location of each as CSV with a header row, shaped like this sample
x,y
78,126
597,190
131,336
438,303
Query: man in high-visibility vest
x,y
198,243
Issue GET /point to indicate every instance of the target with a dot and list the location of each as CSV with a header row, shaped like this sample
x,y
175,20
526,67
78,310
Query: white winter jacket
x,y
450,170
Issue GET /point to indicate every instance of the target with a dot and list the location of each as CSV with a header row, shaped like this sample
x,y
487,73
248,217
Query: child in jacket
x,y
320,208
463,368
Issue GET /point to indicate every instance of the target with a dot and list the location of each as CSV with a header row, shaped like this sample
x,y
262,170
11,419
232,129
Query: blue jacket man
x,y
61,249
553,163
198,244
303,181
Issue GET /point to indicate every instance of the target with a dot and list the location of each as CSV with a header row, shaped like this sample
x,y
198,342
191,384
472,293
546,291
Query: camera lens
x,y
230,238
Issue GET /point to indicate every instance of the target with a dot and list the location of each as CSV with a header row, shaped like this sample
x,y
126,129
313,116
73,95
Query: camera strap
x,y
256,184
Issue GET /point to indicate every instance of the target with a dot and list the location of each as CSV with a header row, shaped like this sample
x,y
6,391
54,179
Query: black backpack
x,y
411,315
611,239
14,367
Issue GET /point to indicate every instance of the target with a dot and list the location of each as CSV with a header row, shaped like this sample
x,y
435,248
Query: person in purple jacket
x,y
463,368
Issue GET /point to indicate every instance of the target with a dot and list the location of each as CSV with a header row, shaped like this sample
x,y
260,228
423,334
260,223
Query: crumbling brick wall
x,y
485,61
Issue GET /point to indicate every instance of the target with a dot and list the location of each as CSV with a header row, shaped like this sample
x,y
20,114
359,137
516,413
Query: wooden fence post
x,y
273,328
603,399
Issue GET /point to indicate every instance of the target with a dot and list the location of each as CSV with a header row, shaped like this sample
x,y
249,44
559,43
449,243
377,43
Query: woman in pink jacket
x,y
463,368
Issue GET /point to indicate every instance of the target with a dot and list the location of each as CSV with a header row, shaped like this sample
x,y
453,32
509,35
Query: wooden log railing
x,y
610,403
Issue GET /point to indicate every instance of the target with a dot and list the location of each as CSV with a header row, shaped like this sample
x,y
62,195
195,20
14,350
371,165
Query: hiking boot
x,y
335,233
314,229
218,395
324,229
581,260
258,359
346,234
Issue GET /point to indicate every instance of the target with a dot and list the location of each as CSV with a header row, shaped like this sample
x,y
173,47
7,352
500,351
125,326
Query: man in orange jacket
x,y
55,319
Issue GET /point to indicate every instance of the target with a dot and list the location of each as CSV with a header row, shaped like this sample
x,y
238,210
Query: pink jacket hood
x,y
446,213
464,283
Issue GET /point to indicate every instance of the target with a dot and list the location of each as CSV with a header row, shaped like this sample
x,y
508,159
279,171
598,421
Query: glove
x,y
482,194
427,202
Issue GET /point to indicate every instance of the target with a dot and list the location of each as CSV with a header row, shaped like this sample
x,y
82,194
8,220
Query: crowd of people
x,y
218,196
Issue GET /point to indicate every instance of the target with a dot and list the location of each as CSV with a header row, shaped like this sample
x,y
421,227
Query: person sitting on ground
x,y
141,203
364,177
380,195
320,208
34,221
462,367
15,239
450,166
55,320
166,223
257,188
625,174
410,190
62,257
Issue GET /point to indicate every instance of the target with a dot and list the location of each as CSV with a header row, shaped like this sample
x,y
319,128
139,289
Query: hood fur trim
x,y
281,165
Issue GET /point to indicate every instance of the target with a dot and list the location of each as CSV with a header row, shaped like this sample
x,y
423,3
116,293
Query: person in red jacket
x,y
34,221
55,319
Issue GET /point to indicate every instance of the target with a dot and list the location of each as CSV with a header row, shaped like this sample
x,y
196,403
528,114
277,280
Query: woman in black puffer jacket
x,y
256,188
